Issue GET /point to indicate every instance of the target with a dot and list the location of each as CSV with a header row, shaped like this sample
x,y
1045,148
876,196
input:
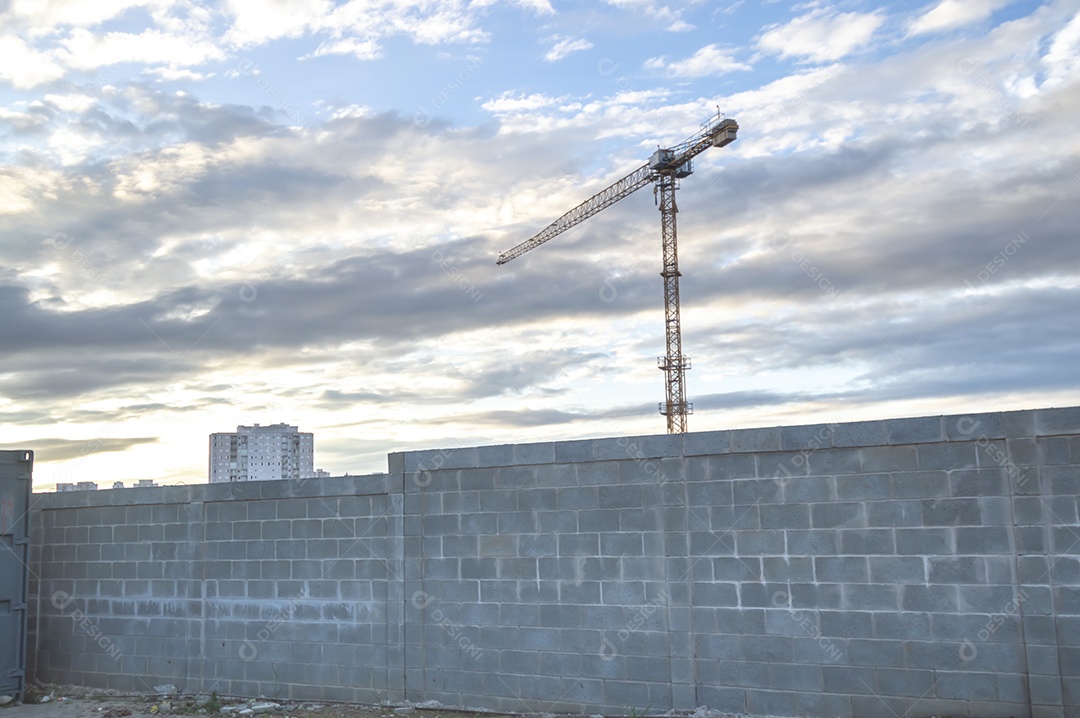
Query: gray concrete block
x,y
515,477
539,453
957,569
917,430
834,515
754,440
974,427
867,541
813,542
834,462
763,702
850,680
863,486
896,569
598,473
876,458
824,704
920,484
871,597
983,539
809,489
952,512
860,433
896,512
730,700
792,568
967,686
1050,422
874,652
841,569
732,466
757,491
785,516
706,442
979,482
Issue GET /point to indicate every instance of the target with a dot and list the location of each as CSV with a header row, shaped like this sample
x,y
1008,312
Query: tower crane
x,y
665,168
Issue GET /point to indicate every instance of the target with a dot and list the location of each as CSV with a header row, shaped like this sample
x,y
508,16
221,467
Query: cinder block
x,y
706,442
834,515
834,462
975,427
967,686
742,673
754,440
902,626
732,466
515,477
920,484
917,430
813,542
871,597
841,569
895,512
850,680
777,703
598,473
791,568
785,516
952,512
1050,422
863,486
860,433
871,652
757,491
895,569
867,541
877,458
983,539
808,489
825,704
727,700
539,453
957,569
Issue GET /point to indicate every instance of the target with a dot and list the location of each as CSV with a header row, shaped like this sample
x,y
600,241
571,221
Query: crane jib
x,y
664,168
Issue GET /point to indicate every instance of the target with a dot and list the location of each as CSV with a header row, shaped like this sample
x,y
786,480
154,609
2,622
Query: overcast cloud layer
x,y
228,213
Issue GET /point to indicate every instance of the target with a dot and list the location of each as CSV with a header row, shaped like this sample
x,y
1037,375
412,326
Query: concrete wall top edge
x,y
370,484
895,431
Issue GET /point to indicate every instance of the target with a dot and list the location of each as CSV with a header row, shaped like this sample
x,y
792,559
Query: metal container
x,y
16,468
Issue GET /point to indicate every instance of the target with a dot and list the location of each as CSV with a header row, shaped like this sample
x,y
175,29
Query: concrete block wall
x,y
278,589
914,567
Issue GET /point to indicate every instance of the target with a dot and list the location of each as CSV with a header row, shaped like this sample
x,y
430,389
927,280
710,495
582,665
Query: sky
x,y
263,211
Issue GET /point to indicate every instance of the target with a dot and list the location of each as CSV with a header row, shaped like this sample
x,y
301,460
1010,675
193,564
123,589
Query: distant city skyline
x,y
220,213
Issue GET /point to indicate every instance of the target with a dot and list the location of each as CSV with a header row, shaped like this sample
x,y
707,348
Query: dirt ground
x,y
71,702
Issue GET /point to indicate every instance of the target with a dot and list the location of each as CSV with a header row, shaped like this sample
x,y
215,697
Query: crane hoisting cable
x,y
664,169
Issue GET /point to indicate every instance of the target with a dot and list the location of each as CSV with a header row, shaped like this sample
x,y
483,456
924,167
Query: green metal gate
x,y
15,471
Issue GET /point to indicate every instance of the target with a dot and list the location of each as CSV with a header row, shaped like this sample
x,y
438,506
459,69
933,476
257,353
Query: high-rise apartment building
x,y
262,453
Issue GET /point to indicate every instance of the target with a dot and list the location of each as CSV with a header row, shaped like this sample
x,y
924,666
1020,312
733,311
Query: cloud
x,y
709,60
951,14
56,450
821,35
566,46
24,66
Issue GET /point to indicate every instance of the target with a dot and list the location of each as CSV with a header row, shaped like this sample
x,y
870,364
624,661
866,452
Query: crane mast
x,y
664,169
